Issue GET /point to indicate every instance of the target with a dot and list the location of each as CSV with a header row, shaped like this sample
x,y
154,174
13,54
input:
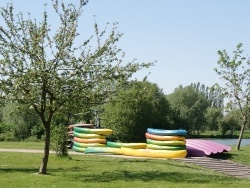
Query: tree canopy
x,y
45,69
137,107
191,106
213,117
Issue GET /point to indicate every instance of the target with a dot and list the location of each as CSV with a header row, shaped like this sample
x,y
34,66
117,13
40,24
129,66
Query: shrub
x,y
59,140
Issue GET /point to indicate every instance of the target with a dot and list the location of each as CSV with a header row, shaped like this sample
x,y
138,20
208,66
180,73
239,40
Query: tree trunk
x,y
43,166
241,134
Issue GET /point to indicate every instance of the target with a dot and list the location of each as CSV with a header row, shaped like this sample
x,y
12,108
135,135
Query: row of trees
x,y
43,71
144,105
136,107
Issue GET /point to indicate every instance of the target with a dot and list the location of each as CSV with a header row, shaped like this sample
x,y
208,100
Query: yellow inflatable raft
x,y
90,140
93,131
164,138
154,153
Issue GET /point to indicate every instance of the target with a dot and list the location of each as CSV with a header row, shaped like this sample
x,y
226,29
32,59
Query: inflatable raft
x,y
93,131
154,153
127,145
85,145
78,149
164,132
86,135
159,147
103,150
164,138
166,142
90,140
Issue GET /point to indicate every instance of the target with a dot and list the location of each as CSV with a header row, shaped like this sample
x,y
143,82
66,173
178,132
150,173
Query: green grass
x,y
217,134
20,170
22,145
241,156
102,171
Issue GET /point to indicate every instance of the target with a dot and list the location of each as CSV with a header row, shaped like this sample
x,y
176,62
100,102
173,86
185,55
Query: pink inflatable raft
x,y
200,148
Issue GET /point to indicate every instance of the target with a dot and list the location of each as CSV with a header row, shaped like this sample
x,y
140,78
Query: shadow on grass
x,y
22,170
146,176
180,172
225,156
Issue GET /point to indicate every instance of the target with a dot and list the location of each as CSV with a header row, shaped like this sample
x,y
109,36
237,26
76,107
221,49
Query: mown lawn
x,y
242,156
20,170
22,145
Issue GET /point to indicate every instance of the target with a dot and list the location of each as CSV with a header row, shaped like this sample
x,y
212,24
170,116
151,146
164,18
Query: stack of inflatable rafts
x,y
159,143
89,137
166,143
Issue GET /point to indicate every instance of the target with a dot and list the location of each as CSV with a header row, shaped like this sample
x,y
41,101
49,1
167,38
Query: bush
x,y
8,137
59,140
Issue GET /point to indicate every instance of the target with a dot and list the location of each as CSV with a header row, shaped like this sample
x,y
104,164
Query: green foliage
x,y
38,131
59,139
7,136
1,127
213,116
191,106
213,94
19,120
137,107
68,117
230,122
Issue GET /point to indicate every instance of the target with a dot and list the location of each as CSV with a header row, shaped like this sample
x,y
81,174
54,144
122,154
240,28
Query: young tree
x,y
47,71
235,72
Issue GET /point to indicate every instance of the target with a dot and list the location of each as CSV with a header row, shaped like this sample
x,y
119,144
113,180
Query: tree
x,y
191,105
137,107
230,122
213,116
213,94
235,72
19,120
47,71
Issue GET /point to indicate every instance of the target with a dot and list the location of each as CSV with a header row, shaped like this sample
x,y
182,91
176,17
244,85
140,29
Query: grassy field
x,y
241,156
20,170
22,145
103,171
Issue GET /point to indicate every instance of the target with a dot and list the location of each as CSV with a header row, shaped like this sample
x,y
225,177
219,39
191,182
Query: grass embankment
x,y
19,170
217,134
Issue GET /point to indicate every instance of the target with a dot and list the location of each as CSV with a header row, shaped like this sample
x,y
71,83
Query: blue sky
x,y
183,36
